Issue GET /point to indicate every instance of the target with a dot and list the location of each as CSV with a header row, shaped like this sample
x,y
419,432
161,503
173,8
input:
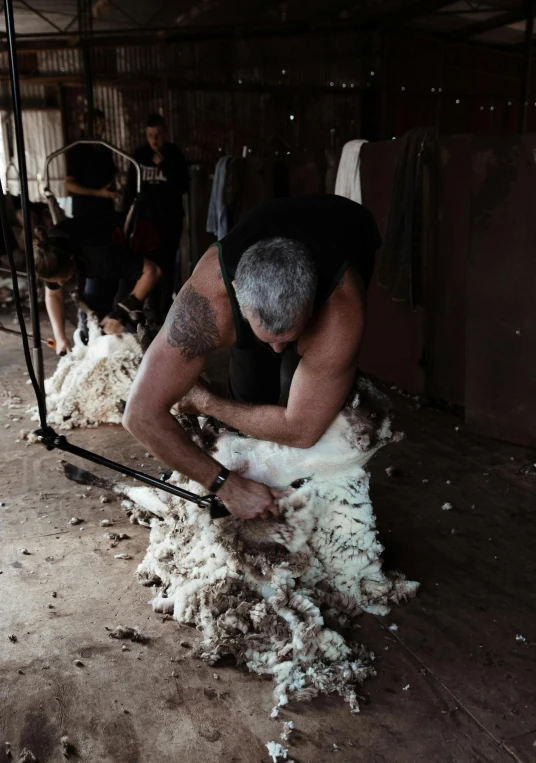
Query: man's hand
x,y
247,499
111,326
62,346
196,400
107,193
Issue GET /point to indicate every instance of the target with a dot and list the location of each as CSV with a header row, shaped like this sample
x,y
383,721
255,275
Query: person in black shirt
x,y
164,180
90,172
110,280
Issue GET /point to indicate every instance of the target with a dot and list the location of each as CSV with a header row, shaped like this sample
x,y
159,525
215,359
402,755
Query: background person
x,y
110,280
90,173
164,181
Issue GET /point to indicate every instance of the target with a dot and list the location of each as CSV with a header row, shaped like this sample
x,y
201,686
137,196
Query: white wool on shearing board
x,y
277,752
275,594
91,382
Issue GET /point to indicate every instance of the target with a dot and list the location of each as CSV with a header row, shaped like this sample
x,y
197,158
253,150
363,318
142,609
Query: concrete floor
x,y
471,684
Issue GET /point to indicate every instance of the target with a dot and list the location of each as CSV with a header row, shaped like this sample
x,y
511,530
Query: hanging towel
x,y
348,181
400,270
217,222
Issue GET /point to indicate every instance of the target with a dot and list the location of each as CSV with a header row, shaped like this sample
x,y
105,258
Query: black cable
x,y
20,315
37,352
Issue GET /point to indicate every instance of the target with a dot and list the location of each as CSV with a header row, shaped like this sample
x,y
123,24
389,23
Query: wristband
x,y
220,480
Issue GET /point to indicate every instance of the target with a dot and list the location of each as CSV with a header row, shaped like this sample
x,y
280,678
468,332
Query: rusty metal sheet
x,y
393,343
501,308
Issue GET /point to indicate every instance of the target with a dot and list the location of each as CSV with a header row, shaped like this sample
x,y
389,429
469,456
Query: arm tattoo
x,y
191,324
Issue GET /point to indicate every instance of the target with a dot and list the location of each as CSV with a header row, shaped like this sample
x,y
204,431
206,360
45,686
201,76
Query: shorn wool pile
x,y
91,383
278,594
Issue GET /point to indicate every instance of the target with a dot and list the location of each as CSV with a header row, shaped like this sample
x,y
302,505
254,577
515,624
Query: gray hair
x,y
276,281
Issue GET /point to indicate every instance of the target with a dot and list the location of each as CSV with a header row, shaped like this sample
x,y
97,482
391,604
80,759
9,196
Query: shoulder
x,y
172,149
207,279
173,152
75,154
78,149
346,304
140,153
200,319
336,330
110,155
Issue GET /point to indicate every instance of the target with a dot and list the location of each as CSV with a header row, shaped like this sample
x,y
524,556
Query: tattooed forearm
x,y
191,324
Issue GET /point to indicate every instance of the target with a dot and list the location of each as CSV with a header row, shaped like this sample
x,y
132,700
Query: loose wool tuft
x,y
92,382
277,594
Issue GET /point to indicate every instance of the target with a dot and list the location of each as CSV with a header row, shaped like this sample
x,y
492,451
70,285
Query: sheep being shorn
x,y
278,594
92,382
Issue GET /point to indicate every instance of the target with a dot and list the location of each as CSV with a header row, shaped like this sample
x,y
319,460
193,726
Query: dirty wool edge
x,y
281,597
91,383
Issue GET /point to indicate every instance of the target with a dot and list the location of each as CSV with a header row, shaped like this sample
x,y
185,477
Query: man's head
x,y
53,260
155,132
99,123
275,286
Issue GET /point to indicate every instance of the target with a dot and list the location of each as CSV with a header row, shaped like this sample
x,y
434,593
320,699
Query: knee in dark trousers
x,y
99,296
161,298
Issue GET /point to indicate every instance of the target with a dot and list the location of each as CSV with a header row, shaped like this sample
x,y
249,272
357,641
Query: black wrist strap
x,y
219,481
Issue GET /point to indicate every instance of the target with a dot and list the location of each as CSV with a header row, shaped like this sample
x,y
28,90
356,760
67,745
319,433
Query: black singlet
x,y
338,232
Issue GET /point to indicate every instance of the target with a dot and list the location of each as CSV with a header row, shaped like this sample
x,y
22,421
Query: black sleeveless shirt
x,y
339,233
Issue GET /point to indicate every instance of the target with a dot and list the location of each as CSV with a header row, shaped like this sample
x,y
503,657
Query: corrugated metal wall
x,y
456,88
217,94
226,94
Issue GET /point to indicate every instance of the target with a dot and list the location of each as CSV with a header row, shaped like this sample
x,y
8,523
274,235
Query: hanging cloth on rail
x,y
400,270
348,181
217,222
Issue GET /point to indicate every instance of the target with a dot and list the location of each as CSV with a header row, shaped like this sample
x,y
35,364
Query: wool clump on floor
x,y
91,383
278,595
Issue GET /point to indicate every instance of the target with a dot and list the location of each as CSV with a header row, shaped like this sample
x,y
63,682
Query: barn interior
x,y
444,96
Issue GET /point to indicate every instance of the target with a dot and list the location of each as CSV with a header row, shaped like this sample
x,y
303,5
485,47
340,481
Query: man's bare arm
x,y
196,325
165,375
55,304
71,186
320,385
317,396
192,325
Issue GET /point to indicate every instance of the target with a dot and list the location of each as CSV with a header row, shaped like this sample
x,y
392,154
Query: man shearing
x,y
291,277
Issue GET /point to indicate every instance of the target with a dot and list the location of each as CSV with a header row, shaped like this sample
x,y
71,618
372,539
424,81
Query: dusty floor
x,y
454,684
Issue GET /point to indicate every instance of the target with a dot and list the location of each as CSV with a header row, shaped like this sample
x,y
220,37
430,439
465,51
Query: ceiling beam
x,y
497,22
195,10
40,15
126,14
388,13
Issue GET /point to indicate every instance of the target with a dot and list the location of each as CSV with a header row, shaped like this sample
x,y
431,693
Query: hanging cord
x,y
20,315
51,439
